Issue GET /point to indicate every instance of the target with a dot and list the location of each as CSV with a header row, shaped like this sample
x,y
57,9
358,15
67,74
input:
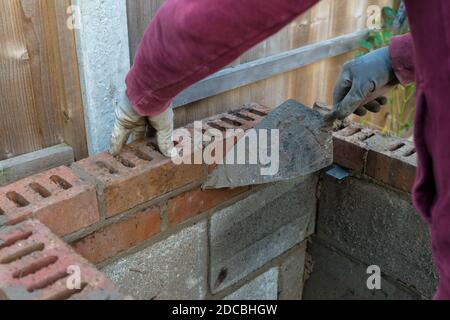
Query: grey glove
x,y
130,123
361,84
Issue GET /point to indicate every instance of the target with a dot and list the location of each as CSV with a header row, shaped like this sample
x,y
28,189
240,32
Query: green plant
x,y
399,116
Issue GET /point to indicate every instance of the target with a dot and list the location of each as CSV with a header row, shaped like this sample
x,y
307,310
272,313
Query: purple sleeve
x,y
189,40
403,58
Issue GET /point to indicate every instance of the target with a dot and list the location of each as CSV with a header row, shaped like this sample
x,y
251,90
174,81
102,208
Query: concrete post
x,y
104,59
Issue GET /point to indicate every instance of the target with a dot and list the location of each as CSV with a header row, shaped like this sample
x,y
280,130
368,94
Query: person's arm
x,y
190,39
403,58
185,42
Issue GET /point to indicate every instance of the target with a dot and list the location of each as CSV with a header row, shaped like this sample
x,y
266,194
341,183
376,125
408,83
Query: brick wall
x,y
148,225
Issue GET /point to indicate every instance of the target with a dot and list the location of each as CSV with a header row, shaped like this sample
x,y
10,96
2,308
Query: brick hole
x,y
217,126
107,167
15,239
352,131
257,112
396,146
242,116
18,199
23,253
126,163
39,189
67,293
35,267
410,153
232,122
63,184
48,281
368,136
143,155
2,212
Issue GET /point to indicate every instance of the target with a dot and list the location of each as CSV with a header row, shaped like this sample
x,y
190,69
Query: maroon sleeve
x,y
189,40
403,58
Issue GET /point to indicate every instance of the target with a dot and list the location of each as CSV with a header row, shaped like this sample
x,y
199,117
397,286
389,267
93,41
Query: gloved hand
x,y
130,123
360,80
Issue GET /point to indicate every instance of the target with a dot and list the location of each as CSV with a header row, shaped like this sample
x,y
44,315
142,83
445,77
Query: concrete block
x,y
292,275
380,227
254,231
171,269
336,277
264,287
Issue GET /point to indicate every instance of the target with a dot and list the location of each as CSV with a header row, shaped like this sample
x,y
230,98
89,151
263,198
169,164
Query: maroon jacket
x,y
191,39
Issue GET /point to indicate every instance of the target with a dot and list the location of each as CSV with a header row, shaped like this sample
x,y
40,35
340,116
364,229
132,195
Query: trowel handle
x,y
331,116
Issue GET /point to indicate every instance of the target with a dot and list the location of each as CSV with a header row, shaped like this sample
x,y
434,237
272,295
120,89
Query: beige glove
x,y
130,123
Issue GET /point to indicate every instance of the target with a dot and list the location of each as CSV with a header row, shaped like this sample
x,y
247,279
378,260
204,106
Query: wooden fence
x,y
40,96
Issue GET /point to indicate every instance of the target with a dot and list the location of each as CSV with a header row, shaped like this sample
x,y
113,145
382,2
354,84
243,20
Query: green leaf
x,y
389,12
387,35
378,40
389,22
365,44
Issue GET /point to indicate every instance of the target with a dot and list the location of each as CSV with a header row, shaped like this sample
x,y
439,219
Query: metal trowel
x,y
304,145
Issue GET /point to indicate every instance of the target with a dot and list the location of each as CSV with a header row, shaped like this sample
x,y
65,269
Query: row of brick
x,y
99,188
390,160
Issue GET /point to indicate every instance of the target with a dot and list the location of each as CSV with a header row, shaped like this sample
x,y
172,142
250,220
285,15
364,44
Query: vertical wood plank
x,y
40,103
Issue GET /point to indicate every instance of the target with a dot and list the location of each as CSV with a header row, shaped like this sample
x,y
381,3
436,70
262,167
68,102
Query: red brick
x,y
34,265
120,236
140,176
58,198
351,146
393,161
195,202
244,118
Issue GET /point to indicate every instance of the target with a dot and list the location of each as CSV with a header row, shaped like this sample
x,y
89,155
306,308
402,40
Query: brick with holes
x,y
351,146
36,265
57,197
223,131
138,175
393,161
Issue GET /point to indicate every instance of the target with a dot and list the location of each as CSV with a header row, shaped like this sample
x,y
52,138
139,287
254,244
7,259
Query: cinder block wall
x,y
146,223
368,219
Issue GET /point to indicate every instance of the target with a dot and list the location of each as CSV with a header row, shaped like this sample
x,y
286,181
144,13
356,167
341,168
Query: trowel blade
x,y
305,146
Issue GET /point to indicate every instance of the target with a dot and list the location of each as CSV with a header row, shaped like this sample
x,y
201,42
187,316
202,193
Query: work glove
x,y
362,82
130,123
